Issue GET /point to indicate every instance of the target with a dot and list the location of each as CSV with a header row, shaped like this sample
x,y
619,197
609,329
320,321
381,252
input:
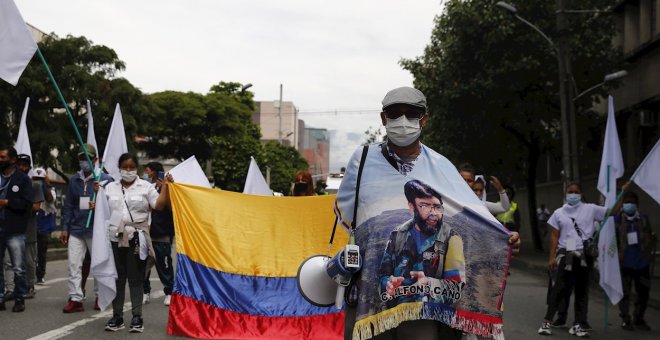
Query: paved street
x,y
525,308
43,319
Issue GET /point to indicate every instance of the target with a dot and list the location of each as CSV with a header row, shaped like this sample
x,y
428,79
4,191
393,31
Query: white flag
x,y
611,168
23,141
91,136
115,146
255,184
16,44
102,266
647,176
190,172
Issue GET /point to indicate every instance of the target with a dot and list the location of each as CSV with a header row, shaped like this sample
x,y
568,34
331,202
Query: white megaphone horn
x,y
322,280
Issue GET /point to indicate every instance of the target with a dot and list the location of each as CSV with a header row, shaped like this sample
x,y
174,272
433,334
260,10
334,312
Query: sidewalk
x,y
530,260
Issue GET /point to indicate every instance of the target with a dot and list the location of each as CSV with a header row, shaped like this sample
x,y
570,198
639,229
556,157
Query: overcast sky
x,y
339,55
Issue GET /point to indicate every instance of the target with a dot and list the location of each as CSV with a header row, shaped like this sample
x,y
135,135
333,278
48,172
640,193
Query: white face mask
x,y
128,176
402,131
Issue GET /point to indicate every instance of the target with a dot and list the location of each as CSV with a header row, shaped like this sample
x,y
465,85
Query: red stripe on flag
x,y
192,318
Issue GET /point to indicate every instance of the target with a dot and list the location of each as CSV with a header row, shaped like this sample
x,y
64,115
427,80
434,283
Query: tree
x,y
179,124
83,71
491,84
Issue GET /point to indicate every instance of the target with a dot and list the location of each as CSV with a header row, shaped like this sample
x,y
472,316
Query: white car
x,y
333,182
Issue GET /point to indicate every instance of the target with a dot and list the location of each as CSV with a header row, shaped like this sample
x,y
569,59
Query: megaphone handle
x,y
339,298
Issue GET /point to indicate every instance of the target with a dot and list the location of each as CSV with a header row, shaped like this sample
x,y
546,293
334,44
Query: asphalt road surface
x,y
43,318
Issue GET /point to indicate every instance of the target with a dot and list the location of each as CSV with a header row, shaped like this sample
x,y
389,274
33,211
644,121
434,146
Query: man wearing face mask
x,y
387,167
15,210
636,240
75,235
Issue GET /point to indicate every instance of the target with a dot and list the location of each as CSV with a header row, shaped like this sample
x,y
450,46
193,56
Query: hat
x,y
405,95
91,150
39,173
24,158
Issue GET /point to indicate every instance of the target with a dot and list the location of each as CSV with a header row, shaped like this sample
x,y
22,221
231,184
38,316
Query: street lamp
x,y
569,143
608,78
246,86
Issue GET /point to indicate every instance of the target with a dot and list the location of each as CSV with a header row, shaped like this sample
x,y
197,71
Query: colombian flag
x,y
237,260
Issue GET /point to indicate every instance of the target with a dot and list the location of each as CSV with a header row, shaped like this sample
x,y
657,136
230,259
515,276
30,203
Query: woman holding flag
x,y
130,202
572,229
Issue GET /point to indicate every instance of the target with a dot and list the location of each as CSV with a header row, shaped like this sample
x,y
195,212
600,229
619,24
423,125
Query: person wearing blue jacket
x,y
15,209
75,234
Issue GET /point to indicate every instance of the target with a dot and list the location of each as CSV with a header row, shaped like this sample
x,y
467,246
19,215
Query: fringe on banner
x,y
473,323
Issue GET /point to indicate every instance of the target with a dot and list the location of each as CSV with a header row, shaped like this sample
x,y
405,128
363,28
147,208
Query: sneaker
x,y
41,281
626,325
9,295
96,304
545,329
167,299
19,306
578,331
146,298
586,326
559,323
115,324
137,325
30,293
641,325
73,307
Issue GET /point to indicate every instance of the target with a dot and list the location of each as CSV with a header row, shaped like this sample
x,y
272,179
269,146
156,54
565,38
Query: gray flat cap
x,y
405,95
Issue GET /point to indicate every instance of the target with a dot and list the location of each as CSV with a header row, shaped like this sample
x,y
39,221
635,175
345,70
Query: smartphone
x,y
161,175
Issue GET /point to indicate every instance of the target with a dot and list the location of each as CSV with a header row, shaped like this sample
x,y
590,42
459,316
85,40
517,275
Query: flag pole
x,y
73,123
605,302
66,106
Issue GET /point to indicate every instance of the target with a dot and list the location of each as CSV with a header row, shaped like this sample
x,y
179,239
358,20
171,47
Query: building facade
x,y
273,127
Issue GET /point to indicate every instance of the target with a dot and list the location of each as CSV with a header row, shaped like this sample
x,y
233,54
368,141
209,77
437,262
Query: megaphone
x,y
322,280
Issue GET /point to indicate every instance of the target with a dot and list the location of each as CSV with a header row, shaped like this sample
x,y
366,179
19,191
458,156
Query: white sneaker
x,y
166,302
578,331
545,329
146,298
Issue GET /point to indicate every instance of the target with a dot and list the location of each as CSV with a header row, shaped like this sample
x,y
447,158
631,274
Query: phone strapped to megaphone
x,y
322,280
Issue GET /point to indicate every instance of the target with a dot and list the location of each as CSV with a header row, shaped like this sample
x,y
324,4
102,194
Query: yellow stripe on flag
x,y
252,235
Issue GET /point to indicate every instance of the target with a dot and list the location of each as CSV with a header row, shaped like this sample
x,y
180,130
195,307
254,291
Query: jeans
x,y
42,251
76,251
16,245
163,252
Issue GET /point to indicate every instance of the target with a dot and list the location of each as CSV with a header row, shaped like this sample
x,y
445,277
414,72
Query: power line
x,y
343,112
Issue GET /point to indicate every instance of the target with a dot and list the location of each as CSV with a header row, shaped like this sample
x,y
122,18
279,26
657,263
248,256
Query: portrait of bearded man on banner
x,y
423,259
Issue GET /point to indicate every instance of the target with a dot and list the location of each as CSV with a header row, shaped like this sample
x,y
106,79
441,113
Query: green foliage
x,y
83,71
284,161
491,81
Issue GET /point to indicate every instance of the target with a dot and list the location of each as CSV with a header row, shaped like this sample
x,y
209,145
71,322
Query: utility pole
x,y
569,145
279,116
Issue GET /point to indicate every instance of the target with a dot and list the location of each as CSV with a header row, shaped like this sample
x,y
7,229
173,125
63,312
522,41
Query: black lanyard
x,y
127,208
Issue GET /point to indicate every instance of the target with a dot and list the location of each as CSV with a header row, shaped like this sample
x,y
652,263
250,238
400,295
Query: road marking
x,y
48,283
68,329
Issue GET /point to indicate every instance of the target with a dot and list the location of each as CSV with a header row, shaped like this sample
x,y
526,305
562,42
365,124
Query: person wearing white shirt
x,y
130,201
572,224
